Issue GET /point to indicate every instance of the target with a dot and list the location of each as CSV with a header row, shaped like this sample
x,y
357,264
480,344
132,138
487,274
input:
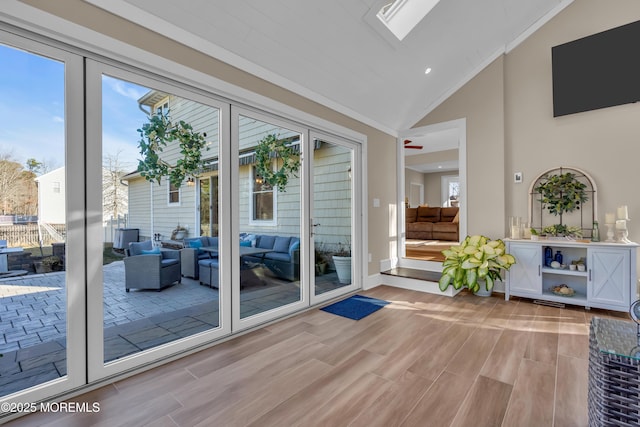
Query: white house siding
x,y
51,204
140,207
332,185
332,196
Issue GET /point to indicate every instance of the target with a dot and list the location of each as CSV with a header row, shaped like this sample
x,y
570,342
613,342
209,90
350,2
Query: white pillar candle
x,y
621,224
623,212
610,218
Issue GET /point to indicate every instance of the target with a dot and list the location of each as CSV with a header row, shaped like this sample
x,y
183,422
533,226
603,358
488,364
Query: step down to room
x,y
413,273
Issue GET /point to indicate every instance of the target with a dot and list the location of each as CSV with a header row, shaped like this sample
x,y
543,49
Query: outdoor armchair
x,y
149,268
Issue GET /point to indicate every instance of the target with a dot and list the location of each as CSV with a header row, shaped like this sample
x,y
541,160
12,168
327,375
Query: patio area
x,y
33,319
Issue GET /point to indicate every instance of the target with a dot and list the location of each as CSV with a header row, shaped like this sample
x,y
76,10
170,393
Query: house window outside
x,y
262,198
56,187
174,194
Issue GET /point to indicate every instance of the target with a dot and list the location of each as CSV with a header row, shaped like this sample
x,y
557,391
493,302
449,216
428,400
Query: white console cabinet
x,y
609,280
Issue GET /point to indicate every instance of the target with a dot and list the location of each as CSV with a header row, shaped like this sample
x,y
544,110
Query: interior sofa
x,y
190,255
432,223
283,260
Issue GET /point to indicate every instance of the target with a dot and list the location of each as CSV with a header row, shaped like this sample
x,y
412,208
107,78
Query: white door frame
x,y
75,210
97,369
461,126
357,273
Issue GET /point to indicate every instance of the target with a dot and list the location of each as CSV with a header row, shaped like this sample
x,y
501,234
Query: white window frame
x,y
261,222
169,191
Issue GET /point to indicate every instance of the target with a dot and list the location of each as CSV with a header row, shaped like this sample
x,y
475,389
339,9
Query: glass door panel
x,y
332,226
41,252
161,266
269,218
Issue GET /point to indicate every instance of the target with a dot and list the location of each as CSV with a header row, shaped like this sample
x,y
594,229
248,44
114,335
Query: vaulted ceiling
x,y
336,52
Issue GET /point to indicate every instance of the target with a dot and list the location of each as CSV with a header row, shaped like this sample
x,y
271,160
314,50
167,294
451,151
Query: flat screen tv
x,y
598,71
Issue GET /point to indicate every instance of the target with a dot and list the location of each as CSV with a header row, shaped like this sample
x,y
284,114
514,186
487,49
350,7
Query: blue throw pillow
x,y
154,251
195,244
246,243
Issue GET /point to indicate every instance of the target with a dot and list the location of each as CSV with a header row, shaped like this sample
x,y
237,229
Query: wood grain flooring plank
x,y
471,357
504,361
485,404
571,392
443,348
250,400
319,391
532,399
393,406
440,404
344,406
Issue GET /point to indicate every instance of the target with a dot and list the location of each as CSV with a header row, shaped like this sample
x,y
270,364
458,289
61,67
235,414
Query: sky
x,y
32,111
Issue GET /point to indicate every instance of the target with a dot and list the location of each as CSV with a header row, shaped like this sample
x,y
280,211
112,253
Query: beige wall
x,y
433,187
605,143
381,146
481,102
511,128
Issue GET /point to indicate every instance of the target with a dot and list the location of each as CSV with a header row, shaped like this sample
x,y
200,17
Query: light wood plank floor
x,y
424,360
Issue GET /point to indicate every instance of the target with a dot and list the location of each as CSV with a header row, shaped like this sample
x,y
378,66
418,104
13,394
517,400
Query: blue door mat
x,y
355,307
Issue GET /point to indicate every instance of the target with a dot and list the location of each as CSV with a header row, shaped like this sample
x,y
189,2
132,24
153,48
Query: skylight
x,y
401,16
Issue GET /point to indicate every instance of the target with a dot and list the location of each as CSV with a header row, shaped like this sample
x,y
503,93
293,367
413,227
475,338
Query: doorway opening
x,y
435,219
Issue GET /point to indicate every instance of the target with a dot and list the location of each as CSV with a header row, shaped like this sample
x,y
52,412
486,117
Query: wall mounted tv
x,y
598,71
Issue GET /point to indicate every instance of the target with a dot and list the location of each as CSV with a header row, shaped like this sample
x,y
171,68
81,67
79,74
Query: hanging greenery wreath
x,y
271,147
154,138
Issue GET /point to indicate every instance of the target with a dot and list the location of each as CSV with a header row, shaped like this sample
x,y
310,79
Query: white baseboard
x,y
417,285
372,281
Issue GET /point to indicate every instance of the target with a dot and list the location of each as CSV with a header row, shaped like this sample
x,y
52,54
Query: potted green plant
x,y
559,194
477,259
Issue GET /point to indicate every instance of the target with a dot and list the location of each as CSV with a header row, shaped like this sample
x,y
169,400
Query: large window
x,y
263,200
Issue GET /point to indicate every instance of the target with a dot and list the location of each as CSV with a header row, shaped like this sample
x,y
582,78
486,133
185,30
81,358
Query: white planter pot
x,y
343,268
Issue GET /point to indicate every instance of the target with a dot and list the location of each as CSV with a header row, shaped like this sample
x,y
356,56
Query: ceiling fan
x,y
407,143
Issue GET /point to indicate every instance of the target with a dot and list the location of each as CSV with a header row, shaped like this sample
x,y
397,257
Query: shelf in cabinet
x,y
578,298
565,272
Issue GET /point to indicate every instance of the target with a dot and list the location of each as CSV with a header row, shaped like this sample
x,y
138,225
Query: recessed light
x,y
428,70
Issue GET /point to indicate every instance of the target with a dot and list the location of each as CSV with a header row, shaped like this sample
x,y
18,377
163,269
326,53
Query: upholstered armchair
x,y
146,267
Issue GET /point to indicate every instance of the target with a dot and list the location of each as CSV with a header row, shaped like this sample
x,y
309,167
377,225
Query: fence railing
x,y
27,235
110,227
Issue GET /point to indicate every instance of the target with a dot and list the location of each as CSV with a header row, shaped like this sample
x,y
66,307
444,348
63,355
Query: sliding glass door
x,y
268,218
154,238
42,236
334,239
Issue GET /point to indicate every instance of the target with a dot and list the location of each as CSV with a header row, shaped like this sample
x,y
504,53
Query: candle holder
x,y
610,233
622,232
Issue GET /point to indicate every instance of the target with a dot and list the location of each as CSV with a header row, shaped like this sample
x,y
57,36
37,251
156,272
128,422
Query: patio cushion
x,y
169,261
278,256
209,262
136,248
246,243
281,244
266,242
154,251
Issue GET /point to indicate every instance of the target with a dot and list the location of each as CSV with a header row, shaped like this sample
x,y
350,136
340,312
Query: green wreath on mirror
x,y
154,138
271,147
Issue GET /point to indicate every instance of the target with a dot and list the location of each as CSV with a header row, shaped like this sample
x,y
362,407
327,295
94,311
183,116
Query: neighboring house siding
x,y
51,203
140,207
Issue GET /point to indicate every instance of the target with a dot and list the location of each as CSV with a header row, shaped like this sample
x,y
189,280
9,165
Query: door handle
x,y
313,227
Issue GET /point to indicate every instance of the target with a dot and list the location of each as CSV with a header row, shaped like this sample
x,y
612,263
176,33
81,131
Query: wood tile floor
x,y
424,360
